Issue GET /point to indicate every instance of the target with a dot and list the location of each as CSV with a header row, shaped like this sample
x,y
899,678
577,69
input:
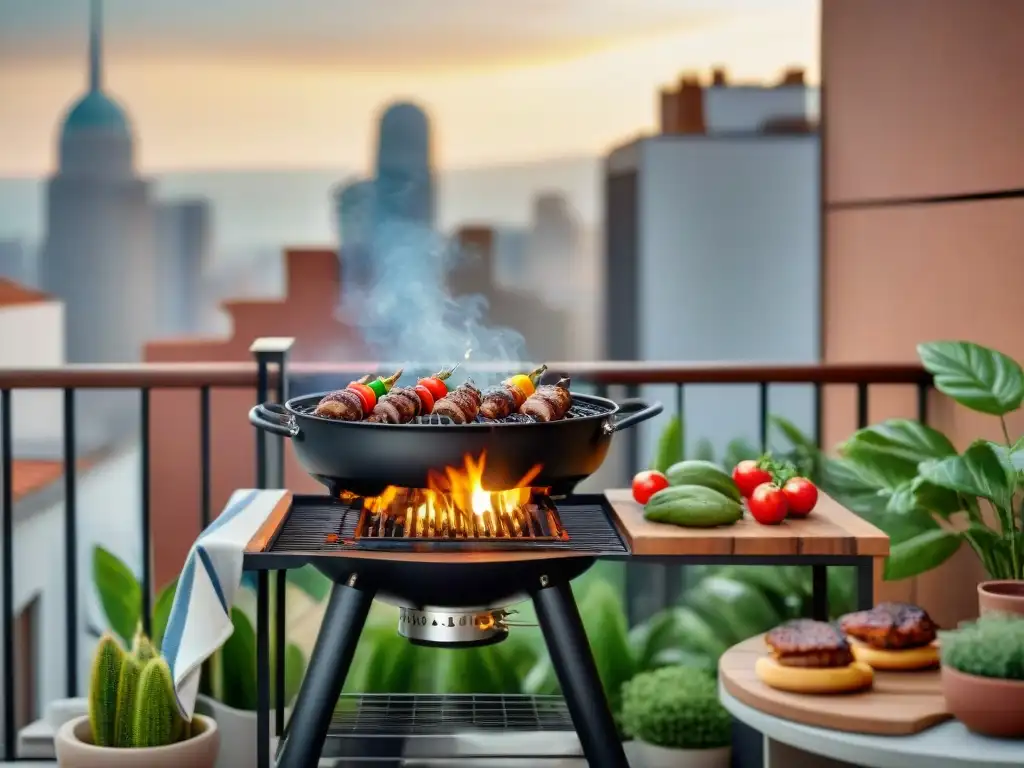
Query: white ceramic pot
x,y
652,756
75,749
237,732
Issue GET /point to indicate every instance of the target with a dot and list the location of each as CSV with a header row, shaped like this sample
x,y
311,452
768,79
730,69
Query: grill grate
x,y
307,407
320,524
446,714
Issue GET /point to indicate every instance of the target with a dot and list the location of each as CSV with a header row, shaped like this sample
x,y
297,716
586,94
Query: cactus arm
x,y
156,713
103,688
127,688
142,647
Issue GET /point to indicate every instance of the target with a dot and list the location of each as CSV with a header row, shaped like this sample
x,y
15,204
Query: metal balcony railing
x,y
270,373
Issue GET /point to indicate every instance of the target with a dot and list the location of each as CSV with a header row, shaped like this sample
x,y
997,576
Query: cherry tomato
x,y
426,397
435,386
801,496
748,476
648,483
366,395
767,504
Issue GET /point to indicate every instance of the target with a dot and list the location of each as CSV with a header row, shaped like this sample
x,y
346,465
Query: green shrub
x,y
677,708
992,646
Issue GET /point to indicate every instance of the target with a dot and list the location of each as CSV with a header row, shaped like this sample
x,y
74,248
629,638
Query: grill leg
x,y
332,655
574,664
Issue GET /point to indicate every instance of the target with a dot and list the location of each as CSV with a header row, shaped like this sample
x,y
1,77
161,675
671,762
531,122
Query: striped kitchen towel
x,y
200,620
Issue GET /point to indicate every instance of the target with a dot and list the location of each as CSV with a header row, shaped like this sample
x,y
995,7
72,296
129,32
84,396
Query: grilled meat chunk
x,y
806,643
891,626
342,404
501,401
461,405
549,403
400,406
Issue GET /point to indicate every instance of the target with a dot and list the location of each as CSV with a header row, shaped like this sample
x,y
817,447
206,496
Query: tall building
x,y
13,264
184,231
353,203
98,255
404,172
712,254
552,249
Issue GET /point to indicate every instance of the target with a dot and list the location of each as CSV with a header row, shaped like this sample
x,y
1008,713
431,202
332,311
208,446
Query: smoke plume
x,y
408,315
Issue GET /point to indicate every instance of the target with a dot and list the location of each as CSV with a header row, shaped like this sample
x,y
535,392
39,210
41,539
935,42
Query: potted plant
x,y
983,674
133,716
909,479
676,719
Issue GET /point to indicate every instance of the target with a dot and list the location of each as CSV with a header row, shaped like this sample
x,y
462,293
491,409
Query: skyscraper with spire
x,y
99,254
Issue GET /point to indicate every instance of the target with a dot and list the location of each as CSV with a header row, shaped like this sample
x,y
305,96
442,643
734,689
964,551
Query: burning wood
x,y
456,506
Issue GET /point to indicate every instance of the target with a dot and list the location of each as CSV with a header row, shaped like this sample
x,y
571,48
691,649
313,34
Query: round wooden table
x,y
946,745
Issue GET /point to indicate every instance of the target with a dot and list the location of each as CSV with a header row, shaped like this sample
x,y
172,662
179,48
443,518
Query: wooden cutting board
x,y
899,704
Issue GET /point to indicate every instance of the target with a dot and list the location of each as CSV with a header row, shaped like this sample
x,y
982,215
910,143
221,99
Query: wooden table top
x,y
831,529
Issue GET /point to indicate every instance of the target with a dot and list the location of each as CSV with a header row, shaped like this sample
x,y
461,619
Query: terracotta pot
x,y
75,749
1001,596
652,756
986,705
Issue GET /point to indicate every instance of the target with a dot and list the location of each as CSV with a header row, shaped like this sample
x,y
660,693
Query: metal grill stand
x,y
564,635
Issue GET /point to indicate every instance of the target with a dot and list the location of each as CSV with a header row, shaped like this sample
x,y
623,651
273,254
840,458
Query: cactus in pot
x,y
131,698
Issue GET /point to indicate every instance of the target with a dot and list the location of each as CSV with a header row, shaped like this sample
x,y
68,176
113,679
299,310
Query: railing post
x,y
270,350
7,571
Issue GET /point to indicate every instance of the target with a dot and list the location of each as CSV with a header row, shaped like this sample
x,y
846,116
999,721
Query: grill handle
x,y
273,418
638,411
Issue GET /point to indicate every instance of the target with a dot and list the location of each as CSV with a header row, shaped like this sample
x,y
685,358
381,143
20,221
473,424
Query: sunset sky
x,y
269,84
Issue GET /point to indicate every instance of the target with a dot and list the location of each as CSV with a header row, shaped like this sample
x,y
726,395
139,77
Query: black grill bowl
x,y
365,458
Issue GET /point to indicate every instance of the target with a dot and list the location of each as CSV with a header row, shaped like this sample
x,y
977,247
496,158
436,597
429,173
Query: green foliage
x,y
676,707
132,701
671,445
993,646
909,480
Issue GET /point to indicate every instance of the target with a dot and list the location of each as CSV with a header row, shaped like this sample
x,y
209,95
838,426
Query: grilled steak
x,y
891,626
806,643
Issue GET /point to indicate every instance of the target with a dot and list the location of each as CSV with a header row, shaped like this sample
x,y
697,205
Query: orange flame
x,y
455,503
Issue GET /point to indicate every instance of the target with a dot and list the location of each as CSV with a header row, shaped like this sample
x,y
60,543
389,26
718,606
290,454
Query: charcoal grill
x,y
365,458
436,587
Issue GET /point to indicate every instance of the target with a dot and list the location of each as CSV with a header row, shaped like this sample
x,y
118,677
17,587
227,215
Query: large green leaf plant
x,y
910,480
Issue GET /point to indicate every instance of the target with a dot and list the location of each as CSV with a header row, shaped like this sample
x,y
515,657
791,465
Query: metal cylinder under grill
x,y
453,628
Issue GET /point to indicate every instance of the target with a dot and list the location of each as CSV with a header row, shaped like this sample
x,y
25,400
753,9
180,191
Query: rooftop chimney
x,y
718,77
793,76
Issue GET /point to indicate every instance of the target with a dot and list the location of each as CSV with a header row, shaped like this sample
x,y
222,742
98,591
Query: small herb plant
x,y
131,697
909,479
676,708
992,646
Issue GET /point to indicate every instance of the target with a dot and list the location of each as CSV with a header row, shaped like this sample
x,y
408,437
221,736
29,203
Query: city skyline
x,y
538,94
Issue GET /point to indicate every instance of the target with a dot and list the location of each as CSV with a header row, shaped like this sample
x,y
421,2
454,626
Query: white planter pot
x,y
651,756
237,732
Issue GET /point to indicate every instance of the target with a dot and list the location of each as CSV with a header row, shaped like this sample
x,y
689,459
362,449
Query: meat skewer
x,y
509,396
433,388
400,406
551,402
356,401
462,404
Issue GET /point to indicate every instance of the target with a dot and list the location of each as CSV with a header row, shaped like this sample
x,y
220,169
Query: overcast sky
x,y
298,83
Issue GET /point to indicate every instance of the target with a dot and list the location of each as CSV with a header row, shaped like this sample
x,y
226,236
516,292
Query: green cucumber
x,y
692,506
697,472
